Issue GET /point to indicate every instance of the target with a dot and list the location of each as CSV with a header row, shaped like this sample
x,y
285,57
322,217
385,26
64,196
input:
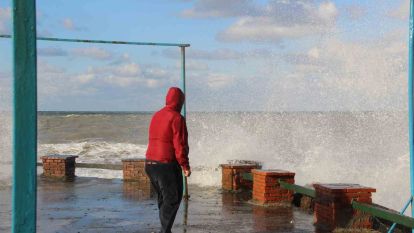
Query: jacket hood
x,y
175,99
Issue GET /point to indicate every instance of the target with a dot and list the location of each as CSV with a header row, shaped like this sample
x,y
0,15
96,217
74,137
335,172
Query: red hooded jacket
x,y
168,136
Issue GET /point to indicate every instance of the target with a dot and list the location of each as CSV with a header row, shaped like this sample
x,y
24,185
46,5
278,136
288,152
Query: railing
x,y
372,209
383,213
298,189
247,176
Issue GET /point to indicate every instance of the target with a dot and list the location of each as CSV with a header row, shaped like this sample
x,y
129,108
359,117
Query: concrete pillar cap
x,y
343,188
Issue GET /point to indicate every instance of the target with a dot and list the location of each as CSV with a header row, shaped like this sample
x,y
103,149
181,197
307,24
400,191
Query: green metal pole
x,y
25,117
184,112
410,101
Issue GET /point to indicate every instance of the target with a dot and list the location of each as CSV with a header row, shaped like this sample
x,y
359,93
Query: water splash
x,y
369,148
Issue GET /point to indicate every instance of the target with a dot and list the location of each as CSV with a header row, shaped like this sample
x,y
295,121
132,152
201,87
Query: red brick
x,y
134,170
266,187
333,204
232,179
59,166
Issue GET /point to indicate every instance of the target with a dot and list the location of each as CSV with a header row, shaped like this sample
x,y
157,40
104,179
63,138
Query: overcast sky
x,y
282,55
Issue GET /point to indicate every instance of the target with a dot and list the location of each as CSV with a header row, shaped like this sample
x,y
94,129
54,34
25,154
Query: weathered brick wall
x,y
333,207
232,179
134,174
59,166
134,170
266,187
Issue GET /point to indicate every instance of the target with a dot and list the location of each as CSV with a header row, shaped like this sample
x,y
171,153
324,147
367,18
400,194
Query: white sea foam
x,y
95,151
366,148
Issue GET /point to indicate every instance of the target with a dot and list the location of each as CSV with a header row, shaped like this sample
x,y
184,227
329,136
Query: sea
x,y
368,148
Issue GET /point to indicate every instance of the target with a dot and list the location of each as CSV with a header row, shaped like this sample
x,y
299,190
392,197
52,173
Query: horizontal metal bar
x,y
96,165
298,189
384,214
106,41
247,176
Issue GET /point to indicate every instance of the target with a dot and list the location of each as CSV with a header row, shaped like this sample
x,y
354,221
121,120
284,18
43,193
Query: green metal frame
x,y
379,212
384,214
25,110
184,113
106,41
298,189
409,202
247,176
410,101
25,116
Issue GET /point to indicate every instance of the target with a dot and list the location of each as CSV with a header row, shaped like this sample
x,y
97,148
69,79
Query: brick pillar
x,y
267,190
333,207
59,166
231,177
134,171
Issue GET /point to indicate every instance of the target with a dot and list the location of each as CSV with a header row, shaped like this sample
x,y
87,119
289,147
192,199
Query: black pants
x,y
167,180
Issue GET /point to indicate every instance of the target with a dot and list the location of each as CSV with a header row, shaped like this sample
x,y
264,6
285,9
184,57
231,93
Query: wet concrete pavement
x,y
103,205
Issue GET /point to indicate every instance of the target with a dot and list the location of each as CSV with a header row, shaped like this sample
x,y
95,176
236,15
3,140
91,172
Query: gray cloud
x,y
219,8
51,52
68,24
93,53
44,32
281,20
100,87
126,75
355,12
271,22
121,59
219,54
346,75
194,65
5,20
219,80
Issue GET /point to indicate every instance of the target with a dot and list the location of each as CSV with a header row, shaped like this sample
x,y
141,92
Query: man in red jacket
x,y
167,157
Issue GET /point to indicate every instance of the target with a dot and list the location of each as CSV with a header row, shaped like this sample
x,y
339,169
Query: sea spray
x,y
369,148
5,130
5,149
5,145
